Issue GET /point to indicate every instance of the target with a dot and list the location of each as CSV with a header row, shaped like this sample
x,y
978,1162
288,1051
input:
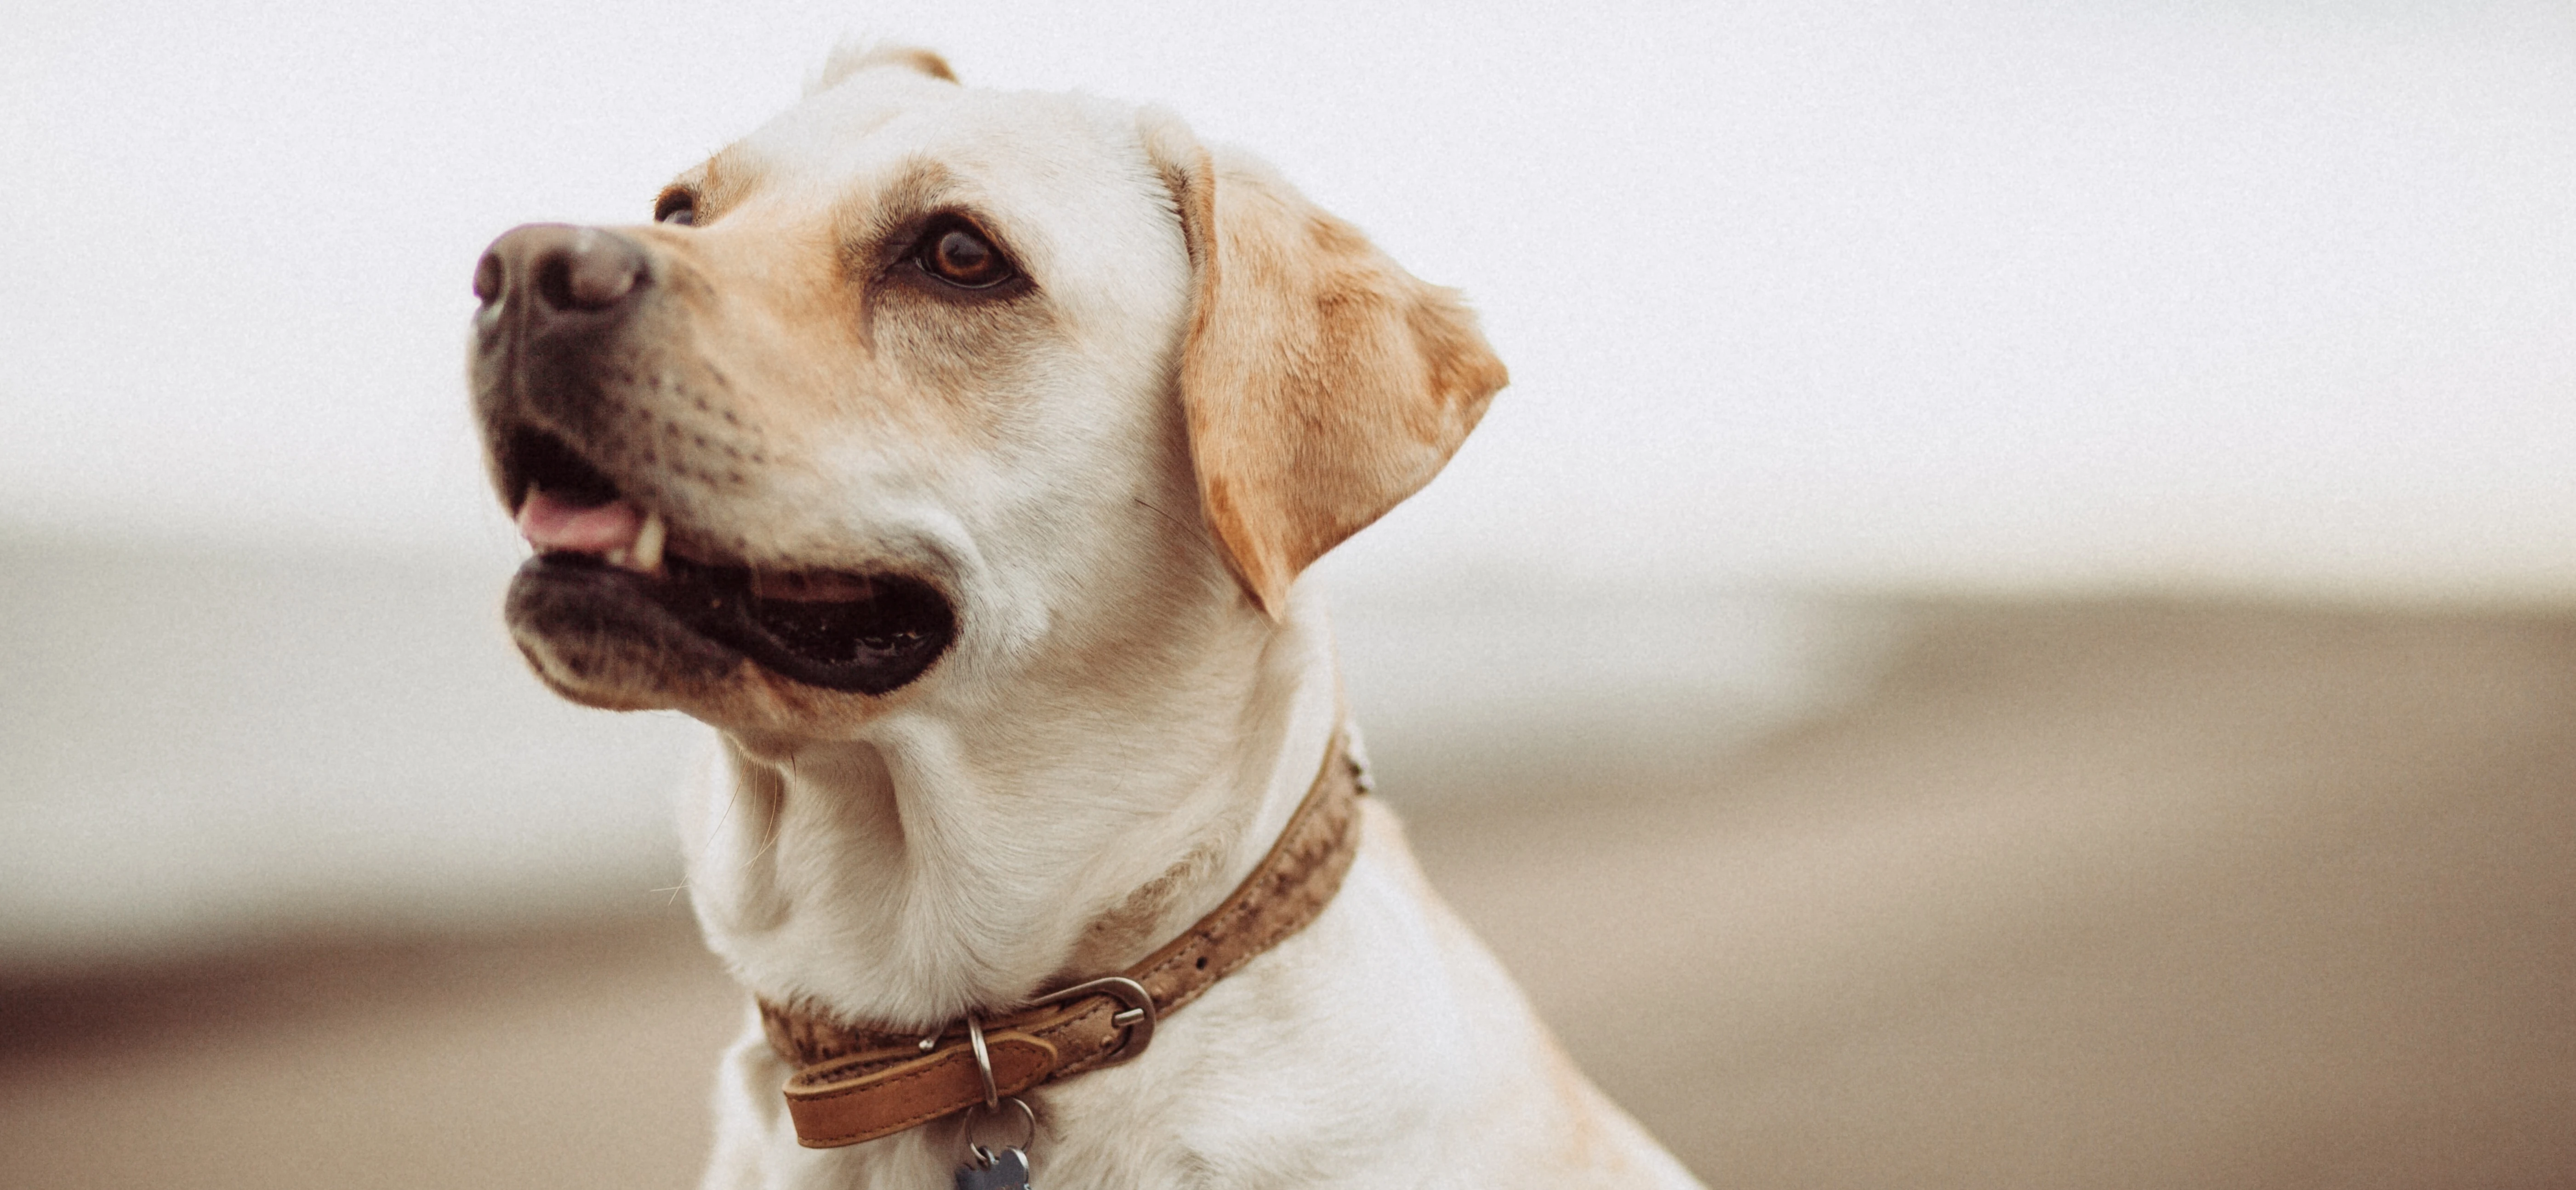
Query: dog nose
x,y
557,269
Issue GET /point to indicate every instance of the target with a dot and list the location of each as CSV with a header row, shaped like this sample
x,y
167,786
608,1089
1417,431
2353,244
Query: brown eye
x,y
676,207
953,253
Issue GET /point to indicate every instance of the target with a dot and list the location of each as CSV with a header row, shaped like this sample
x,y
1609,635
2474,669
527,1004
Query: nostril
x,y
593,270
487,278
554,281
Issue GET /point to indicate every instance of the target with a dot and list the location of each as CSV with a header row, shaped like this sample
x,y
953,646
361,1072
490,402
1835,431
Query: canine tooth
x,y
646,554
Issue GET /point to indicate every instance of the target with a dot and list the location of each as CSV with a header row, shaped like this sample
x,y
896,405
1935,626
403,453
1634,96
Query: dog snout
x,y
553,272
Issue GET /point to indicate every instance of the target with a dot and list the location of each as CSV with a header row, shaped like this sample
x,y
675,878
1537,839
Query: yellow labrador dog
x,y
955,454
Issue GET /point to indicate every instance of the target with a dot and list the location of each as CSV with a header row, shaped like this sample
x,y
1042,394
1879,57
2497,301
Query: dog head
x,y
917,378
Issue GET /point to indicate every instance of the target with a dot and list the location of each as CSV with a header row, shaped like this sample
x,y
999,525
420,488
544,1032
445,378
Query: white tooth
x,y
646,554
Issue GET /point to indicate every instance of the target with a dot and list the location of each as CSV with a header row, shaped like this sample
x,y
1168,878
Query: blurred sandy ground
x,y
2067,894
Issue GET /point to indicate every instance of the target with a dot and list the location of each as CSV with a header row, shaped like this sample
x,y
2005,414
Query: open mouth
x,y
868,633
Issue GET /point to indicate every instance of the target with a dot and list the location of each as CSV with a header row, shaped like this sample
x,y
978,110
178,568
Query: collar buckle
x,y
1136,1014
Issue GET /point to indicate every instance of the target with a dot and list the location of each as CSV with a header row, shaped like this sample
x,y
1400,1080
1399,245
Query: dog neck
x,y
963,856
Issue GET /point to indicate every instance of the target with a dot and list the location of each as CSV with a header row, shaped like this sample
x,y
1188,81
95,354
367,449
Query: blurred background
x,y
2017,625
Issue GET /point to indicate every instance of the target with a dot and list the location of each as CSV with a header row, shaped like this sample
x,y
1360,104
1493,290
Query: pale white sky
x,y
2265,295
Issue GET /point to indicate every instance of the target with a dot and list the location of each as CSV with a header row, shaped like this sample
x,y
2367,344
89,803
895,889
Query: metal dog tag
x,y
1003,1169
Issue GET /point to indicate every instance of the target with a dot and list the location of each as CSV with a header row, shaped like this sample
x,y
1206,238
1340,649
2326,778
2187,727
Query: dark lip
x,y
872,645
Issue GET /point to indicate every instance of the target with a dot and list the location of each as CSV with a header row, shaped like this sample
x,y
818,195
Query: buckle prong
x,y
1137,1017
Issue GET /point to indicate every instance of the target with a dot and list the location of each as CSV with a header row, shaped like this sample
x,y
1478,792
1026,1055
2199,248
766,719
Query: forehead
x,y
847,127
1035,163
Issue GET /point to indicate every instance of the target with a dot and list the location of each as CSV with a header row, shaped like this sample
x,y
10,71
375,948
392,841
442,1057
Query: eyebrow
x,y
713,176
864,224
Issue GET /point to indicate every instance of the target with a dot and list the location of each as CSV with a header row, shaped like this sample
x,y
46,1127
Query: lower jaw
x,y
693,623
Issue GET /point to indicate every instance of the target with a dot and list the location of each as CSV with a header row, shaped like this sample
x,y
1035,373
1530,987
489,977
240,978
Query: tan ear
x,y
851,57
1322,383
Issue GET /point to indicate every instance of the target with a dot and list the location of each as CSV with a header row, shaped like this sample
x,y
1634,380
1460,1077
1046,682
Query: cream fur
x,y
1134,703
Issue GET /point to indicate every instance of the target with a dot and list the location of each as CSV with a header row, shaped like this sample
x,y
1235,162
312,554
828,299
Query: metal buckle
x,y
1137,1017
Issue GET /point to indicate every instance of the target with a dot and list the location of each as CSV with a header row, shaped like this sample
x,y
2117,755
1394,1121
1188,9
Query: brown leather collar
x,y
853,1085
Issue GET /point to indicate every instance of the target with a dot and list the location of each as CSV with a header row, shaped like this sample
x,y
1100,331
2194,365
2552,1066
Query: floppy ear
x,y
1322,383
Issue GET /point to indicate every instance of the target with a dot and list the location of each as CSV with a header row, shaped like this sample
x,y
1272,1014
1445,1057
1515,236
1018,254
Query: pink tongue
x,y
552,524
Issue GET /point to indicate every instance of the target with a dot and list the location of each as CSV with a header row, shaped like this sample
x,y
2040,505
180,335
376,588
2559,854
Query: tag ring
x,y
1028,1115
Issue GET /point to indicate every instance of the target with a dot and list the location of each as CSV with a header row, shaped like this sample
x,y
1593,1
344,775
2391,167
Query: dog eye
x,y
677,207
956,254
